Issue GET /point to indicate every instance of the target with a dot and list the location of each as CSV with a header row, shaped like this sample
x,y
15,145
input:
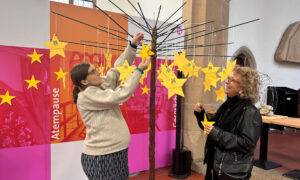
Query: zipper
x,y
235,156
221,164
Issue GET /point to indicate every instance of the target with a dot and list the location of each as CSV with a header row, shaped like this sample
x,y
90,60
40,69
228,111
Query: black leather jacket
x,y
241,140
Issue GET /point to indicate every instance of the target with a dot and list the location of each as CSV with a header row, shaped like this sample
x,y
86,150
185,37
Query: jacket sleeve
x,y
246,135
94,98
129,54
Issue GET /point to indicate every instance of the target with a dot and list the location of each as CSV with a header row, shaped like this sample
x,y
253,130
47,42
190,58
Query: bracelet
x,y
132,45
140,70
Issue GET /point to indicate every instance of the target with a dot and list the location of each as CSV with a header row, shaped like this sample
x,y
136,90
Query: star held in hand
x,y
145,52
206,122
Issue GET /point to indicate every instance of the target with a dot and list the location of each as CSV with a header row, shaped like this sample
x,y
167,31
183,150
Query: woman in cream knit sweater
x,y
105,151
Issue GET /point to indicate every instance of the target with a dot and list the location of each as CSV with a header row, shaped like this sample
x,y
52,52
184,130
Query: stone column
x,y
200,11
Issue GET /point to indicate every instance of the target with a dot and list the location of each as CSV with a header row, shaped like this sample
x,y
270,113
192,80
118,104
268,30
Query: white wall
x,y
262,37
24,23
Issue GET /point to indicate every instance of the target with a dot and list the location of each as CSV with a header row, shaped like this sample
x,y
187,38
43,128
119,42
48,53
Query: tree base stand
x,y
181,167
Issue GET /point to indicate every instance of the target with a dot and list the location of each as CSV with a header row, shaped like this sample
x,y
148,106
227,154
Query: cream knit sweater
x,y
106,129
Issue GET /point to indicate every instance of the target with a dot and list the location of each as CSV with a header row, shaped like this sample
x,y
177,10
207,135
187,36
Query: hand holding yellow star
x,y
145,52
56,47
144,75
6,98
206,122
125,71
220,94
145,90
35,57
32,82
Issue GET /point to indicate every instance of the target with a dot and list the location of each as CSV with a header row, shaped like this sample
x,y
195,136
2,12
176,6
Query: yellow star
x,y
206,85
6,98
210,74
60,74
180,61
108,57
145,52
206,122
145,90
35,57
174,86
101,69
195,69
165,73
56,47
145,74
220,94
125,71
227,71
32,82
166,61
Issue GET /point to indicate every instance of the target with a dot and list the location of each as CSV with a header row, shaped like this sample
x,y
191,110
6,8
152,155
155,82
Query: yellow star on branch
x,y
227,71
165,73
223,75
6,98
206,122
60,74
145,90
32,82
220,94
56,47
101,69
210,74
108,57
174,86
180,61
125,71
35,57
145,52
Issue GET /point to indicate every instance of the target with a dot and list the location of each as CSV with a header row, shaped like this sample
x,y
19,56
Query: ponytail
x,y
76,90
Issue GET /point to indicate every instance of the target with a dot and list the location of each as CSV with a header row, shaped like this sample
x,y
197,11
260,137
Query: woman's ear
x,y
84,82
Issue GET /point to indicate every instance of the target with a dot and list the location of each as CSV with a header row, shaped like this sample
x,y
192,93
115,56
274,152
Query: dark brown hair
x,y
79,72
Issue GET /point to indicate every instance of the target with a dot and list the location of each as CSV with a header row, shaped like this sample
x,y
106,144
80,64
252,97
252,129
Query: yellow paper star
x,y
206,85
32,82
195,69
6,98
125,71
165,73
60,74
174,86
206,122
35,57
180,60
210,74
145,52
108,57
56,47
227,71
220,94
101,69
145,90
145,74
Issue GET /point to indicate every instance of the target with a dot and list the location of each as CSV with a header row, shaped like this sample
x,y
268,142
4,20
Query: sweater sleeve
x,y
95,98
129,55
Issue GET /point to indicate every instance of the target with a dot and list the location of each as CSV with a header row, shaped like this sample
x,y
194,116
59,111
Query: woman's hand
x,y
208,128
198,107
137,38
144,64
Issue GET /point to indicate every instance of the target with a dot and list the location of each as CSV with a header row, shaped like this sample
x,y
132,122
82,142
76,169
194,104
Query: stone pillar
x,y
200,11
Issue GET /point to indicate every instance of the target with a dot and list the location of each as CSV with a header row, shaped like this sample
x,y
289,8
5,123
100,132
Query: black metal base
x,y
266,164
294,174
180,176
181,166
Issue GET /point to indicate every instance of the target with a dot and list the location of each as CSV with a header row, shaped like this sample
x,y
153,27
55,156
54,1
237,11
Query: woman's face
x,y
233,85
93,78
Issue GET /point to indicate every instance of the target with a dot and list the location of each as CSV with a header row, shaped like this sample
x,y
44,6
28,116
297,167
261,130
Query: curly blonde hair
x,y
250,81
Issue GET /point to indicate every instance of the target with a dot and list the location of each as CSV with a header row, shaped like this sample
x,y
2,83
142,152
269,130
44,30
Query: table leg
x,y
263,151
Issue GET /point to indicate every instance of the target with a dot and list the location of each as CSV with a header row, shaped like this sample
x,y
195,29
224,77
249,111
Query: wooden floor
x,y
283,149
162,174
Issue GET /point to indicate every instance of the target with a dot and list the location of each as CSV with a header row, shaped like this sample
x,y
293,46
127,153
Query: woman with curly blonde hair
x,y
231,141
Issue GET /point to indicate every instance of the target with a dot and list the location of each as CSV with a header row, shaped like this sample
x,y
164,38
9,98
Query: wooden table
x,y
263,151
